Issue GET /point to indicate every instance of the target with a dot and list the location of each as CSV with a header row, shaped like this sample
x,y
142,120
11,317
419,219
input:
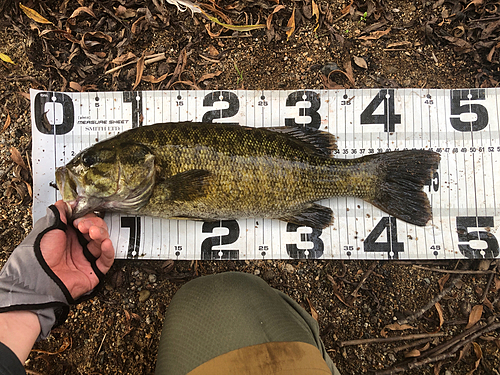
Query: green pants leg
x,y
216,314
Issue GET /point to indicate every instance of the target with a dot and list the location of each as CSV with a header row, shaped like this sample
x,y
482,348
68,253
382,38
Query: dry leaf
x,y
490,54
212,51
75,86
124,57
233,27
270,18
375,35
413,353
30,191
395,327
209,76
140,70
484,264
439,309
6,58
25,95
437,368
347,8
7,123
17,158
488,304
152,79
479,356
314,313
315,11
336,291
291,25
98,34
78,11
361,62
348,72
475,315
123,12
442,281
464,352
34,15
65,345
497,283
136,26
399,44
474,2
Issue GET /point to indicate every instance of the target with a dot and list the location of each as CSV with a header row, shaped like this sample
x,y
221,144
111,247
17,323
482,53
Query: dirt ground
x,y
377,43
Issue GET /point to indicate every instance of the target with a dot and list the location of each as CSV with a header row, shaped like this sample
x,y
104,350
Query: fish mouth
x,y
68,188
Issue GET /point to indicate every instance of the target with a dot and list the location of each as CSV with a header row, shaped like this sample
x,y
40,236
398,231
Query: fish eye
x,y
88,159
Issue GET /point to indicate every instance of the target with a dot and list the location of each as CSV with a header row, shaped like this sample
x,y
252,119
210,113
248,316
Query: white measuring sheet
x,y
462,125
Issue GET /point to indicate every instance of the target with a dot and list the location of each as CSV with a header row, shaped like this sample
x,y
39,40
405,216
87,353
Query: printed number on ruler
x,y
391,246
302,253
134,239
476,243
389,119
207,252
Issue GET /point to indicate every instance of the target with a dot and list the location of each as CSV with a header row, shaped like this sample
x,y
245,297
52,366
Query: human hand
x,y
63,253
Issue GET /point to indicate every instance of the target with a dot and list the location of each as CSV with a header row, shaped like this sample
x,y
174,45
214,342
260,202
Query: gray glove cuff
x,y
28,283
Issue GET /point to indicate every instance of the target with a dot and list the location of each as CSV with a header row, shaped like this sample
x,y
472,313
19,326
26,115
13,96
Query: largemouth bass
x,y
209,171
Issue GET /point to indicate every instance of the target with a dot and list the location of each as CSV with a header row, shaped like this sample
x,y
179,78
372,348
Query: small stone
x,y
268,275
289,268
329,67
256,272
144,295
465,308
152,278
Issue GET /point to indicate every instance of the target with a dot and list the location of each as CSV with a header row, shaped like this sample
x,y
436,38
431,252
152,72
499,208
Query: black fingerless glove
x,y
28,283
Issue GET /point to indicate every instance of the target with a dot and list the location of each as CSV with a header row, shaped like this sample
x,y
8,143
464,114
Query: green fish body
x,y
209,171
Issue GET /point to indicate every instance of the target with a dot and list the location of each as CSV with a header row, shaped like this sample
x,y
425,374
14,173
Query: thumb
x,y
64,210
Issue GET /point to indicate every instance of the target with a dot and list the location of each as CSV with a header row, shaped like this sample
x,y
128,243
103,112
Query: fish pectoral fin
x,y
188,185
312,215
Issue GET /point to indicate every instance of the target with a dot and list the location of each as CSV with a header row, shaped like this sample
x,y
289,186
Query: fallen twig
x,y
363,279
432,302
148,60
390,339
488,285
464,272
411,345
445,350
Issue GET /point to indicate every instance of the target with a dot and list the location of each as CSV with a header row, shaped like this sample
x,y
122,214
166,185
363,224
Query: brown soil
x,y
118,331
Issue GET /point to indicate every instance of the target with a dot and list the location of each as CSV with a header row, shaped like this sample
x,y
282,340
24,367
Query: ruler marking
x,y
464,191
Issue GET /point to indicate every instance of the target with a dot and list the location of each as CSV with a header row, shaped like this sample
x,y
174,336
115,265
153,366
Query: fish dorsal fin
x,y
317,141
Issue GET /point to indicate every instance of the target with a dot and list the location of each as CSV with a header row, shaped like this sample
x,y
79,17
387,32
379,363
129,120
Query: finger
x,y
88,221
105,261
96,236
63,209
84,224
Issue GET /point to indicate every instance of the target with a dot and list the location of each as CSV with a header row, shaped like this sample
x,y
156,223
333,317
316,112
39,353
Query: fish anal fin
x,y
188,185
312,215
317,141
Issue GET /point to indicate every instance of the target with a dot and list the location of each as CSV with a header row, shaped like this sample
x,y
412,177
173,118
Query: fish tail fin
x,y
402,176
